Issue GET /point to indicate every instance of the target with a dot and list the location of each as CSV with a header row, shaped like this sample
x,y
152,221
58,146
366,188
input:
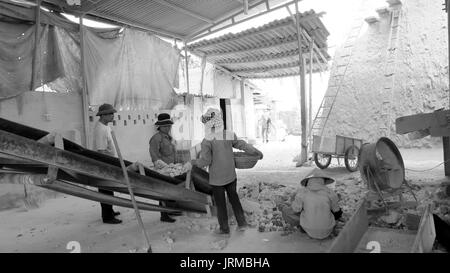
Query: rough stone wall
x,y
421,81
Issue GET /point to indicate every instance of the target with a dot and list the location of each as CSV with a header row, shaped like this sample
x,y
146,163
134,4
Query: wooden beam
x,y
184,11
36,52
267,68
15,145
447,6
84,94
311,53
304,146
273,75
354,229
260,58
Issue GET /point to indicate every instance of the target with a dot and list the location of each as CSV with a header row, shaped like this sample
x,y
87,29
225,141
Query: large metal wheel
x,y
351,158
322,160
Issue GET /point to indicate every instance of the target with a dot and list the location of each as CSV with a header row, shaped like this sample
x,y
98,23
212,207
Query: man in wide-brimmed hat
x,y
315,207
162,150
103,143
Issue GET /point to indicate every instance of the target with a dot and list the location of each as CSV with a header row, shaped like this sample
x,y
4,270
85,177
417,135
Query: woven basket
x,y
245,161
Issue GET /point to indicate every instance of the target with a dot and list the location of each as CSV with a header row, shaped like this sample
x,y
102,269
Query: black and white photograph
x,y
220,132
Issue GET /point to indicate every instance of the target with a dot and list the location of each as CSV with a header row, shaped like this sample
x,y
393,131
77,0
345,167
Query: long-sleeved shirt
x,y
315,202
103,141
161,148
217,153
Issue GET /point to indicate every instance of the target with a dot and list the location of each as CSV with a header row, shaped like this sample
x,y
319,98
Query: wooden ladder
x,y
336,81
390,70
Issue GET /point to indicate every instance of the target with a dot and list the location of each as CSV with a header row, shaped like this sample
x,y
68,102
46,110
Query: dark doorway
x,y
224,112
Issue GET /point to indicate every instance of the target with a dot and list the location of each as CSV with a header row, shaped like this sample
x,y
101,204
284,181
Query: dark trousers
x,y
107,210
221,204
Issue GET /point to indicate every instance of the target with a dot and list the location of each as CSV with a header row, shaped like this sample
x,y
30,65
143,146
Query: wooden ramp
x,y
67,167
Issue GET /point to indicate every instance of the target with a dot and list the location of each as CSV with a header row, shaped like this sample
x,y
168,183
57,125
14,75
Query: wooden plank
x,y
436,122
349,238
386,240
426,234
340,145
325,145
446,148
99,197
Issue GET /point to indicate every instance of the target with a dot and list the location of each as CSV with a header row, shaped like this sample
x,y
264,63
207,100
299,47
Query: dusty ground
x,y
58,221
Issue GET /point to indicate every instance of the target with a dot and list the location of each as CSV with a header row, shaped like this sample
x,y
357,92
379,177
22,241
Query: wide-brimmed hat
x,y
164,120
317,173
106,109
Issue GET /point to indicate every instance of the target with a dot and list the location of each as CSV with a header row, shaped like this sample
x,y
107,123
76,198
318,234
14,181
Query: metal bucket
x,y
381,163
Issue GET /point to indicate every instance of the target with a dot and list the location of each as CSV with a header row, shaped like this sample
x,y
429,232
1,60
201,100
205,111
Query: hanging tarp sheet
x,y
195,74
16,58
131,70
135,70
225,86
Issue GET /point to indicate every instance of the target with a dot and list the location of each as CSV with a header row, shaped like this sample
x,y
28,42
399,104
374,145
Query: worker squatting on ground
x,y
217,153
103,143
315,207
162,151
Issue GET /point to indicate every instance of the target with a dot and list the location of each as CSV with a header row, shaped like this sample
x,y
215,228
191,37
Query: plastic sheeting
x,y
135,70
16,58
195,74
225,86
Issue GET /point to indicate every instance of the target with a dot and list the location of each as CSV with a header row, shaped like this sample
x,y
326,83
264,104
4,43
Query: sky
x,y
338,18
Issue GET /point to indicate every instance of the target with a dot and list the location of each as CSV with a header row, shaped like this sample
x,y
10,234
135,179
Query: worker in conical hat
x,y
315,207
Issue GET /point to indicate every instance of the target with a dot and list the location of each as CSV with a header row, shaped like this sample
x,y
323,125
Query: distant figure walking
x,y
266,123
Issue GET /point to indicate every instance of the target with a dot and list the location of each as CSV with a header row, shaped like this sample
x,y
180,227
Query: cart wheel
x,y
322,160
351,158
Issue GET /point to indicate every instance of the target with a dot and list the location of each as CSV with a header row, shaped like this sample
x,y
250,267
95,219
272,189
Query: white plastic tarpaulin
x,y
134,70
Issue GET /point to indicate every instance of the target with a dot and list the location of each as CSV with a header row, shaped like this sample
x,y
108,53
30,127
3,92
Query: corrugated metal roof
x,y
268,51
173,18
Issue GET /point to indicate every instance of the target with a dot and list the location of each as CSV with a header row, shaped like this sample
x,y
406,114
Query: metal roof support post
x,y
36,53
304,150
311,53
191,110
202,79
84,94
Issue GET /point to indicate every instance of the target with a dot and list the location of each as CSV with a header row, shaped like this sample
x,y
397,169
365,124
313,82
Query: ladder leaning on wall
x,y
336,81
389,70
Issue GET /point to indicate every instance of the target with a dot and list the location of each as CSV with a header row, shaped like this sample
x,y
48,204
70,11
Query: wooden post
x,y
448,30
36,53
304,151
446,140
311,53
84,94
